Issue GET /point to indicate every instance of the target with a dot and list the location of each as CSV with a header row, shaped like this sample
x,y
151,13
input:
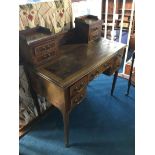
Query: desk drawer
x,y
95,32
114,64
78,98
94,73
47,55
96,26
78,86
117,62
45,50
95,35
106,65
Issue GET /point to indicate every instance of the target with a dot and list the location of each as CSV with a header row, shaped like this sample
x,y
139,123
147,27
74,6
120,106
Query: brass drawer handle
x,y
82,84
118,65
77,89
97,71
106,65
81,96
120,55
92,75
94,29
76,101
94,36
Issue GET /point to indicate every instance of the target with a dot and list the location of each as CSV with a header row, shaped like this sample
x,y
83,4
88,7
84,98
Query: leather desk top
x,y
77,60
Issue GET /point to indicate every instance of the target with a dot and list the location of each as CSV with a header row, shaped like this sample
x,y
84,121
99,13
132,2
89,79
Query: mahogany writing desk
x,y
64,80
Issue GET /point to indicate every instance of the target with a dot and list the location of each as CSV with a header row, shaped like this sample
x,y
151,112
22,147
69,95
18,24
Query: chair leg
x,y
114,82
129,82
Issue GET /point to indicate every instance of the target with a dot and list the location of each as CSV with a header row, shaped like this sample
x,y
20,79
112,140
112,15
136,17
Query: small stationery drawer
x,y
44,49
78,98
95,28
47,55
88,28
95,32
93,36
78,86
96,24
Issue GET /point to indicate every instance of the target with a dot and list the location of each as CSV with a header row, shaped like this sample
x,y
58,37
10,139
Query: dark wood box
x,y
88,28
37,45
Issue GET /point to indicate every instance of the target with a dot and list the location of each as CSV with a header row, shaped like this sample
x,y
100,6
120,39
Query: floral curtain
x,y
77,0
55,15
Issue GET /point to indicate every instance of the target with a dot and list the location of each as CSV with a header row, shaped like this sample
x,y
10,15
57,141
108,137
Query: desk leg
x,y
66,128
114,82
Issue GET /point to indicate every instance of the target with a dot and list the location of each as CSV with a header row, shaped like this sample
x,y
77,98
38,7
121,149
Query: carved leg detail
x,y
66,128
114,82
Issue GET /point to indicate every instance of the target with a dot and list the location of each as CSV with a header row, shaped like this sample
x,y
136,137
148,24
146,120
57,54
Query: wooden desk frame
x,y
58,92
66,90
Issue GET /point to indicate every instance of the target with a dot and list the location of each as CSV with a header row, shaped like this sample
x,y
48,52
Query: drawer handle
x,y
98,71
76,101
106,65
94,29
118,65
120,55
82,84
92,75
77,89
81,96
94,36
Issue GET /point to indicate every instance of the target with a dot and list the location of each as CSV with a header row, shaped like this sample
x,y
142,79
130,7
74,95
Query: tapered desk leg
x,y
66,128
114,82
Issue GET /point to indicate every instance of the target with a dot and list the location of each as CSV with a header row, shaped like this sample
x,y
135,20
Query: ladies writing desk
x,y
63,80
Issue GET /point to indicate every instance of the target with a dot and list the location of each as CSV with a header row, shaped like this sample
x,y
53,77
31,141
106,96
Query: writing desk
x,y
63,81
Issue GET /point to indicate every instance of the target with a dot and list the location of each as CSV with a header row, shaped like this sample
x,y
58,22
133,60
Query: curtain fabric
x,y
77,0
55,15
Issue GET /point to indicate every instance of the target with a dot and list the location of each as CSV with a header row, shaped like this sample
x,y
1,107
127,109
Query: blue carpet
x,y
100,125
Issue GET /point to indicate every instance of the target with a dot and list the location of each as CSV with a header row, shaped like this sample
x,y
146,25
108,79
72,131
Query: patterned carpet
x,y
100,125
